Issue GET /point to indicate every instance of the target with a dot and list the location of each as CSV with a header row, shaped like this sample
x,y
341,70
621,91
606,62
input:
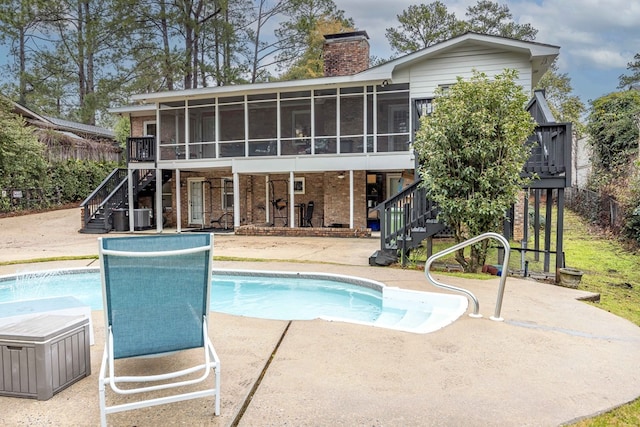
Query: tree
x,y
22,163
613,129
488,17
86,39
472,151
427,24
565,106
310,64
422,26
263,53
20,20
295,33
634,67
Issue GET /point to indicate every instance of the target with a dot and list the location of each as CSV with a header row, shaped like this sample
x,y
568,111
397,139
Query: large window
x,y
172,131
232,127
295,123
351,120
263,125
357,119
325,121
202,129
393,118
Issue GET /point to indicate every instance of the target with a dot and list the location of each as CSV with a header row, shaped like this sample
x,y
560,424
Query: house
x,y
257,155
65,139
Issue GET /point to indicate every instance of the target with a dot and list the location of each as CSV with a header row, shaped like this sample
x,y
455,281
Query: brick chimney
x,y
346,53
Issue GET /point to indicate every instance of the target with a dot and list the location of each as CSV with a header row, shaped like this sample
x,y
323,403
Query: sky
x,y
597,38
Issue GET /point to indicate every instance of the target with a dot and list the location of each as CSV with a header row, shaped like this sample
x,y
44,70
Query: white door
x,y
196,201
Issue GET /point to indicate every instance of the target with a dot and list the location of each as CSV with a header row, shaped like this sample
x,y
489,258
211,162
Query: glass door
x,y
196,201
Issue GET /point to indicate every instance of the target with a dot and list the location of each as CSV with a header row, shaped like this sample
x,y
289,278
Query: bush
x,y
74,180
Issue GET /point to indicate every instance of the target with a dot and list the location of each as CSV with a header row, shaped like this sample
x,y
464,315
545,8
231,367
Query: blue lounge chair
x,y
156,302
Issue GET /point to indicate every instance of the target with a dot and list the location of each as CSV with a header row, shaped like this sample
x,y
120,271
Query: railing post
x,y
469,294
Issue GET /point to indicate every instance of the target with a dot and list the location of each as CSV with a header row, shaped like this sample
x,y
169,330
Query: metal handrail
x,y
469,294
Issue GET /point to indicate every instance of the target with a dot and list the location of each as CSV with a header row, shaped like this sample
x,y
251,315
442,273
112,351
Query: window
x,y
227,194
149,128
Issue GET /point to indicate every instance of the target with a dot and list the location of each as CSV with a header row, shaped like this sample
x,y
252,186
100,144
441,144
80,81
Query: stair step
x,y
390,317
412,318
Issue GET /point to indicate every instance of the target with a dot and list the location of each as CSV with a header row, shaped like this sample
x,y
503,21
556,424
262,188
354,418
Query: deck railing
x,y
141,149
113,193
550,151
94,203
407,210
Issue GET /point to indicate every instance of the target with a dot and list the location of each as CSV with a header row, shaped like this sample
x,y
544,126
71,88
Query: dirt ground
x,y
55,234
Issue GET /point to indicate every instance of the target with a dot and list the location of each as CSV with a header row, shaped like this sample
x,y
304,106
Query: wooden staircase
x,y
406,220
111,194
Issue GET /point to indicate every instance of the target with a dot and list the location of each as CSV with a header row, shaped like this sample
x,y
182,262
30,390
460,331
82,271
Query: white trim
x,y
299,183
191,219
146,124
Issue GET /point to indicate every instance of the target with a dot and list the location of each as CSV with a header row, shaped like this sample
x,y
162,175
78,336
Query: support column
x,y
130,199
292,198
178,203
158,212
351,201
236,199
267,201
560,234
547,230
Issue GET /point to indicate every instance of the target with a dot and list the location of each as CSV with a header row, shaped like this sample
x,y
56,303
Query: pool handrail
x,y
469,294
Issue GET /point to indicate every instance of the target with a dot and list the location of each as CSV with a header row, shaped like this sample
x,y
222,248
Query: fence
x,y
13,199
601,210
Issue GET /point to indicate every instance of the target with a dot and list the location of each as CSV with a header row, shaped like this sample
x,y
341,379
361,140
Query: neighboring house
x,y
70,140
581,164
260,153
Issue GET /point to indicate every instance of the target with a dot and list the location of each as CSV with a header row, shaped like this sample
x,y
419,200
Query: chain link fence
x,y
601,210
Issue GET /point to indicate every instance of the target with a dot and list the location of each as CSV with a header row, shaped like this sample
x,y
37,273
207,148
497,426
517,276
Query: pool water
x,y
271,295
283,298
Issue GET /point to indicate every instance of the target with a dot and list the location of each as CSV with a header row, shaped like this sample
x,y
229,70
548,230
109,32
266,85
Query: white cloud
x,y
604,59
593,34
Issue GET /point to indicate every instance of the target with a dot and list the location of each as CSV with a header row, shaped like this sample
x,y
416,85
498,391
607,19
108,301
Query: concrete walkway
x,y
553,360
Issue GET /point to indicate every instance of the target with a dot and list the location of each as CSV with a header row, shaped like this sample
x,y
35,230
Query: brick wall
x,y
346,54
137,124
252,230
518,221
336,200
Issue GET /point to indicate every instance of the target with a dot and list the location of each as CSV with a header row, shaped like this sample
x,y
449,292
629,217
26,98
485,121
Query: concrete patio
x,y
553,360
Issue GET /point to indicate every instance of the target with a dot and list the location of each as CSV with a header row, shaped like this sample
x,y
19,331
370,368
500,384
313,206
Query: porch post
x,y
130,201
158,212
560,262
292,208
351,199
236,199
178,203
267,201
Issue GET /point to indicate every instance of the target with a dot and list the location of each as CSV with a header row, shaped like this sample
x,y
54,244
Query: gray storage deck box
x,y
42,355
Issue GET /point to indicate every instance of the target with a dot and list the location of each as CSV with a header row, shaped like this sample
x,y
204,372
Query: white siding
x,y
426,76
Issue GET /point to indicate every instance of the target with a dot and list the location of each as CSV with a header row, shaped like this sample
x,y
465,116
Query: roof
x,y
540,54
63,125
81,127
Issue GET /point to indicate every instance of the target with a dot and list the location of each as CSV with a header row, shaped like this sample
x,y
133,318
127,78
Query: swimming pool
x,y
272,295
